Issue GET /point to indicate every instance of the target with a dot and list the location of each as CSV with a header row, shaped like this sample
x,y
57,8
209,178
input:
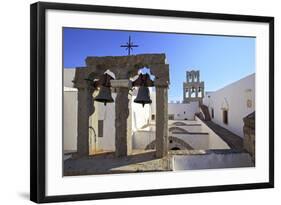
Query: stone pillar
x,y
122,134
85,109
161,122
161,83
129,127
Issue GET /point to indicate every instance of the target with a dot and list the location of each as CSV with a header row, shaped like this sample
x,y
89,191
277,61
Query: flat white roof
x,y
68,89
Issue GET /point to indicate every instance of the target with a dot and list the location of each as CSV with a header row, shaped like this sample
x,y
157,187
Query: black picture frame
x,y
38,101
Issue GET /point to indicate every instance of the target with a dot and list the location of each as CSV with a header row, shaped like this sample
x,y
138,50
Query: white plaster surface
x,y
140,115
107,114
142,138
68,75
233,97
183,111
211,140
70,119
211,161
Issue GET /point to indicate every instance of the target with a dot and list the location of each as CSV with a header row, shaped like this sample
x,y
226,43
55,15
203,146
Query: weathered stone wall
x,y
249,134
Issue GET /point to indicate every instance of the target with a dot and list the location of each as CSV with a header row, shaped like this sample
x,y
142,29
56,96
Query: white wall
x,y
198,141
177,109
142,138
107,114
215,142
183,111
211,161
140,115
70,119
68,76
70,111
201,141
234,98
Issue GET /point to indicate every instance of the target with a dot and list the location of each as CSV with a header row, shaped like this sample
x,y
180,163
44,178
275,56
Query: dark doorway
x,y
175,148
225,116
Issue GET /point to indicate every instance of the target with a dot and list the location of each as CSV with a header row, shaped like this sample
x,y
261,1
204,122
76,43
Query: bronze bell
x,y
143,96
143,81
105,90
104,95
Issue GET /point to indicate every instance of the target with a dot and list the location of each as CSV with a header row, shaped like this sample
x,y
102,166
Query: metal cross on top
x,y
129,46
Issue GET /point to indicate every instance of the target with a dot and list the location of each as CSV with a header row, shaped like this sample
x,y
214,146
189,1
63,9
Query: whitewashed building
x,y
230,104
227,107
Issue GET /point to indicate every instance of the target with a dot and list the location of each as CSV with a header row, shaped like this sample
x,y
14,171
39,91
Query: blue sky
x,y
220,59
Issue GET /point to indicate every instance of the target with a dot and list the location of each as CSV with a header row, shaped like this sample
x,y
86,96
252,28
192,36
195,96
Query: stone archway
x,y
124,67
178,130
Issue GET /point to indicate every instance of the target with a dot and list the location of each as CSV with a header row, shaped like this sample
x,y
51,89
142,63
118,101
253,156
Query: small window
x,y
225,116
212,113
100,128
152,117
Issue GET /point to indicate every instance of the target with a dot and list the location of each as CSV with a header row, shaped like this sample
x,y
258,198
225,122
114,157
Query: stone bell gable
x,y
193,88
124,68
